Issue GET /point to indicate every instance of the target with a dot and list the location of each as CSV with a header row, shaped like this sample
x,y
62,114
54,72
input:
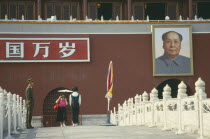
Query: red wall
x,y
132,59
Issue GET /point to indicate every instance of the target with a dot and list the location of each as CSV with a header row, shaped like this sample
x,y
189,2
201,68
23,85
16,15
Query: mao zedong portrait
x,y
171,62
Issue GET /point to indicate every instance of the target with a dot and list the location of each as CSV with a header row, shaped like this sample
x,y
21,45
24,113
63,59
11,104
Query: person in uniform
x,y
75,102
29,102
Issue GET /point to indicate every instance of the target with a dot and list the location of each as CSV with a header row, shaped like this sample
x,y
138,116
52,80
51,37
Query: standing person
x,y
29,102
75,102
171,61
61,113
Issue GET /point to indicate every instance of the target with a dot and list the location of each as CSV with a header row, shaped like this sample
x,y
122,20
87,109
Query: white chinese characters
x,y
38,47
67,50
14,50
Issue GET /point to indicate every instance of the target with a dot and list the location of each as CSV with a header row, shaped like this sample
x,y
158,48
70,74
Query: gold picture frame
x,y
172,50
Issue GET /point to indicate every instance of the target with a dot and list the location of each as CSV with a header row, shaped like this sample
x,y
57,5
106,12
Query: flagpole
x,y
109,93
108,114
108,103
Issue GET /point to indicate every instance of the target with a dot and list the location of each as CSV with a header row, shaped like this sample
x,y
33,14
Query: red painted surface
x,y
132,61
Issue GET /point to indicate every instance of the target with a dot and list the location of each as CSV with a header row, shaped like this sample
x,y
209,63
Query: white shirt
x,y
75,94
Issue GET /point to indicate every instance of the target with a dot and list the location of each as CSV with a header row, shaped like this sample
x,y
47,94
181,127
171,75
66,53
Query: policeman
x,y
29,102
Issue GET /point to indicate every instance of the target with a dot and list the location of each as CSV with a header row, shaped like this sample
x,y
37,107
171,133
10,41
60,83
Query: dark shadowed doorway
x,y
49,114
204,10
105,10
155,11
173,83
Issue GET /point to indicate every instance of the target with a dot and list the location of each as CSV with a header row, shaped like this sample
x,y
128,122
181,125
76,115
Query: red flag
x,y
110,81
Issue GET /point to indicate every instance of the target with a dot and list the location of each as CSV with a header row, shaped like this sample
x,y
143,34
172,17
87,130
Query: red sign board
x,y
44,50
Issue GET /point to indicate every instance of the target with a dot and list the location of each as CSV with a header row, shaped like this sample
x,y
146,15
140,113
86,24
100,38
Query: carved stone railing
x,y
12,114
184,114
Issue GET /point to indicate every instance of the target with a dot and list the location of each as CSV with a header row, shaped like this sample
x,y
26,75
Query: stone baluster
x,y
167,92
141,110
114,113
167,18
21,126
111,117
14,113
24,113
199,85
9,115
136,108
182,93
118,113
132,19
196,18
129,111
39,18
154,95
180,18
119,120
18,111
202,95
147,18
153,98
166,96
117,18
1,112
145,98
6,17
124,112
102,18
22,17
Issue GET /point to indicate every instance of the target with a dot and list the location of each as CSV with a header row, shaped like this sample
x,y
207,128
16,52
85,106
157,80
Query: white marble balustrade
x,y
12,114
184,114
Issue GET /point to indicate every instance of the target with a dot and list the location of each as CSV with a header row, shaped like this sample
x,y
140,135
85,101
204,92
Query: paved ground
x,y
100,132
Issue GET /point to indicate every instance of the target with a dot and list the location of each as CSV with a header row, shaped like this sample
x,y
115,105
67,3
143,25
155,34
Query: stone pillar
x,y
136,98
21,113
84,5
129,110
24,113
154,95
153,98
199,84
39,8
199,89
190,9
166,95
182,91
9,95
1,112
166,92
145,96
14,114
129,9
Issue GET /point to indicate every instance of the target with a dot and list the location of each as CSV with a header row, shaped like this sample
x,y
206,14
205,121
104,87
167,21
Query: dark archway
x,y
173,83
49,114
